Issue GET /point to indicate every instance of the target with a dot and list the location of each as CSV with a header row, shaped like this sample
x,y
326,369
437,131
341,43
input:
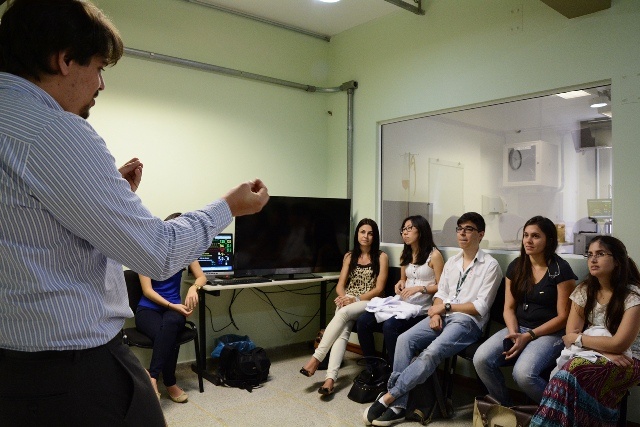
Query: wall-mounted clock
x,y
515,159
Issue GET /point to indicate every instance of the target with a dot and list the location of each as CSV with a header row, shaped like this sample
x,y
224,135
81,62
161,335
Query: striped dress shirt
x,y
68,222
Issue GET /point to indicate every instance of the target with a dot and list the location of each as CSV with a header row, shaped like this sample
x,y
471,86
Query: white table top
x,y
321,277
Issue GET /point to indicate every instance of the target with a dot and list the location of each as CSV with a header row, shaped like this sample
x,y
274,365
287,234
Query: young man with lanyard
x,y
456,319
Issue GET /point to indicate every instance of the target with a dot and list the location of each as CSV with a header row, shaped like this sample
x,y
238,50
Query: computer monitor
x,y
218,259
599,208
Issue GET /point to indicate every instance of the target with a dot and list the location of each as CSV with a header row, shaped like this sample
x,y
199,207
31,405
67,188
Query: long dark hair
x,y
425,241
523,280
375,247
624,273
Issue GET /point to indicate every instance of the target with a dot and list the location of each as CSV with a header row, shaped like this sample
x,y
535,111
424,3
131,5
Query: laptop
x,y
217,261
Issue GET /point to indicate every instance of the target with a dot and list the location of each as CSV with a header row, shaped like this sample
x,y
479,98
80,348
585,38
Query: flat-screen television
x,y
292,237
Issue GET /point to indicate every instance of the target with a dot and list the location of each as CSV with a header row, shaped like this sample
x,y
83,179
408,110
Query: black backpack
x,y
245,370
427,402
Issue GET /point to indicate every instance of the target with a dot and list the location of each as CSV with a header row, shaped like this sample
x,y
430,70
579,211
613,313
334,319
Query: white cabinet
x,y
530,163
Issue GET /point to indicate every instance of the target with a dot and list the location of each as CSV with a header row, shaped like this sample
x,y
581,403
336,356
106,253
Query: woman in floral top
x,y
363,276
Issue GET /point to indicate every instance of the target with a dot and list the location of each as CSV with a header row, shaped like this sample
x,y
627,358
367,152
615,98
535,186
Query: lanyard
x,y
463,277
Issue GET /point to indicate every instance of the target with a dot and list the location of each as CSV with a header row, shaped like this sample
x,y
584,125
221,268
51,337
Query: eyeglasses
x,y
408,228
467,229
596,255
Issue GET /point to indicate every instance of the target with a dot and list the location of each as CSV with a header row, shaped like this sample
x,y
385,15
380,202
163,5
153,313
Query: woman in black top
x,y
538,285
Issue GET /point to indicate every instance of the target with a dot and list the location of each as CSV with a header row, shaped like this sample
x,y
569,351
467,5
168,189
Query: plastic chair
x,y
134,338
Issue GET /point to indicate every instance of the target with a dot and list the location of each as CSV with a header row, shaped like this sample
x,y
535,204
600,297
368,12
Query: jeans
x,y
390,328
336,336
458,332
535,358
163,329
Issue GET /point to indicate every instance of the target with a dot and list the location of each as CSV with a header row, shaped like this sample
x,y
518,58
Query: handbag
x,y
370,382
488,412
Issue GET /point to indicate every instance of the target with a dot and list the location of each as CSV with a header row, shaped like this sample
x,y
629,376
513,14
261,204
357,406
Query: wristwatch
x,y
447,307
424,290
578,341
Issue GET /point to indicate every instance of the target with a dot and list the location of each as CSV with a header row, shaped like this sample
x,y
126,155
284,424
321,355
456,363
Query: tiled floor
x,y
287,399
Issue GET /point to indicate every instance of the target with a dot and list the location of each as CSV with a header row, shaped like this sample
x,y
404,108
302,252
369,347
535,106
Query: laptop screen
x,y
218,259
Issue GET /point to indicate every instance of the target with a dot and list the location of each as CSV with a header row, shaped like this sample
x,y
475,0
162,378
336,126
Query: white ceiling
x,y
313,15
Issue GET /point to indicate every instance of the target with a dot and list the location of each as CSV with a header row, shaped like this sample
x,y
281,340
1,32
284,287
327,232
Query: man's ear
x,y
60,62
481,234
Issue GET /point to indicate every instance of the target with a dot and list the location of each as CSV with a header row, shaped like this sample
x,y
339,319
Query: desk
x,y
214,289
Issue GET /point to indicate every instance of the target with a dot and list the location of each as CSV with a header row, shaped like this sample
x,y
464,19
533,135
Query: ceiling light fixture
x,y
599,101
605,111
573,94
329,1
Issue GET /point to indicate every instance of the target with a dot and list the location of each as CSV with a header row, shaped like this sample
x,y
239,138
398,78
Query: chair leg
x,y
622,421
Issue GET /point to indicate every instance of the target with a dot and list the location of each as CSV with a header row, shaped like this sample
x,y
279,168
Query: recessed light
x,y
573,94
329,1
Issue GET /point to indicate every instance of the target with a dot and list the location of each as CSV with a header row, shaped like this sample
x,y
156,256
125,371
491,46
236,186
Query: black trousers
x,y
102,386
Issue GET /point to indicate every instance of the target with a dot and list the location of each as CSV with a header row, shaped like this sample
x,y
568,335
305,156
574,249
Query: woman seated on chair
x,y
536,308
588,388
161,316
421,265
363,275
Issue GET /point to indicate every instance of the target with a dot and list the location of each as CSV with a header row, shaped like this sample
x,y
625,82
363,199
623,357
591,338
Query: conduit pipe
x,y
349,87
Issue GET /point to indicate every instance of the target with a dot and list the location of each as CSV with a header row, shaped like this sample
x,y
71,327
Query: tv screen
x,y
293,236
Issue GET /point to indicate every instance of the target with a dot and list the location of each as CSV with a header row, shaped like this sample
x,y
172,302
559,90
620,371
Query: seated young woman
x,y
161,316
537,289
421,265
363,276
587,391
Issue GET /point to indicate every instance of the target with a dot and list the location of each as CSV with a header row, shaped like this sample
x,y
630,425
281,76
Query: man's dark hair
x,y
475,218
31,31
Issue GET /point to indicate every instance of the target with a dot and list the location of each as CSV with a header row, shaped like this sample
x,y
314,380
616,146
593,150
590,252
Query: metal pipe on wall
x,y
349,87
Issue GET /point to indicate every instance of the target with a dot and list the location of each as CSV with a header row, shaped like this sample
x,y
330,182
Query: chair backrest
x,y
134,288
497,308
392,278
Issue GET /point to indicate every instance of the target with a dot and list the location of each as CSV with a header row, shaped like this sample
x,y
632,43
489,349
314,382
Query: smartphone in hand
x,y
507,344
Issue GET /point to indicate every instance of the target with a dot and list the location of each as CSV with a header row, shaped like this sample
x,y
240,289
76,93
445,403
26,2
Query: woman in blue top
x,y
161,316
536,308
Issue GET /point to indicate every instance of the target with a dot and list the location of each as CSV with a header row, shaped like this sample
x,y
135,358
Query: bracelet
x,y
357,299
533,334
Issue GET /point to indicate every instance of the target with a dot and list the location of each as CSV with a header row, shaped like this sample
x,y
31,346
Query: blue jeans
x,y
536,357
390,328
458,332
163,327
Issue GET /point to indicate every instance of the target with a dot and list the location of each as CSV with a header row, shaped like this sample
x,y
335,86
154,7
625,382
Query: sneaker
x,y
374,411
389,418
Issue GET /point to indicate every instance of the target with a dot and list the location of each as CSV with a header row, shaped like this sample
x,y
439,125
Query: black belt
x,y
55,354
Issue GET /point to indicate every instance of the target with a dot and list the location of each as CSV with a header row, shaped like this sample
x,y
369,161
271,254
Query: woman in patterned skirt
x,y
588,388
363,276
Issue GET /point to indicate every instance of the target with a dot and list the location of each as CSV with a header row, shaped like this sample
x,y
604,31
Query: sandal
x,y
326,391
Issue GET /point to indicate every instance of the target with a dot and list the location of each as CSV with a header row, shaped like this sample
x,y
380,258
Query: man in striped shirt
x,y
69,220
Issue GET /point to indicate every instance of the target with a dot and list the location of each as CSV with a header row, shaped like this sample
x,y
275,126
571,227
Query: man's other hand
x,y
132,172
247,198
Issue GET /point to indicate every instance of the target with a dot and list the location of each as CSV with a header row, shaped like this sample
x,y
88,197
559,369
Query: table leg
x,y
323,304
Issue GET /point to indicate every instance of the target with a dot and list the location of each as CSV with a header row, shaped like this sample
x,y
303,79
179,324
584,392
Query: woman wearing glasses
x,y
537,288
363,275
421,265
587,390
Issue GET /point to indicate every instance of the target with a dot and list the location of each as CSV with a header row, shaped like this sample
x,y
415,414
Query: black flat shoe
x,y
305,372
326,391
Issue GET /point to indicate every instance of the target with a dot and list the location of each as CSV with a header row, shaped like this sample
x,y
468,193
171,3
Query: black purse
x,y
371,381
